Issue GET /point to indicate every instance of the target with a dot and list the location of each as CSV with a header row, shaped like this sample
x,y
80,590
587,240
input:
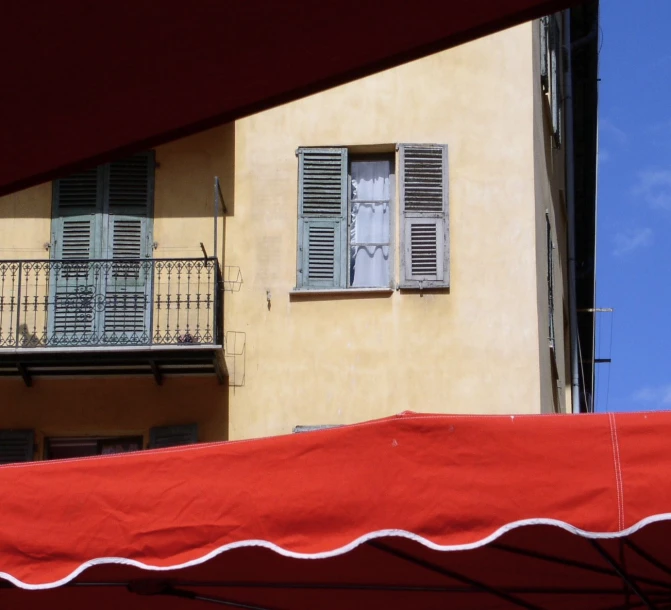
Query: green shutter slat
x,y
423,179
424,188
77,236
173,436
130,188
16,446
74,284
323,181
77,194
555,84
127,237
322,217
129,207
129,203
543,30
128,285
322,249
424,253
76,214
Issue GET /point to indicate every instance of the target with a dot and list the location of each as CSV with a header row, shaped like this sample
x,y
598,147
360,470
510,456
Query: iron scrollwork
x,y
123,302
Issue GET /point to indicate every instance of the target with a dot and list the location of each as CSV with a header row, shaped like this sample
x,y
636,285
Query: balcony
x,y
111,317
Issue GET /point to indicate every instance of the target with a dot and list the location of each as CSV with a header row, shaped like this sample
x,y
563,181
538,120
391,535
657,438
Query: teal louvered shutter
x,y
16,446
76,237
129,197
322,218
425,252
173,436
555,85
543,24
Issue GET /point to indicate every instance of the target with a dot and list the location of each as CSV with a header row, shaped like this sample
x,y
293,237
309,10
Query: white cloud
x,y
659,396
609,131
628,241
604,155
653,187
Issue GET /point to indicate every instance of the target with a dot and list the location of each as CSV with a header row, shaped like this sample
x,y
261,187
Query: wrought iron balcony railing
x,y
110,303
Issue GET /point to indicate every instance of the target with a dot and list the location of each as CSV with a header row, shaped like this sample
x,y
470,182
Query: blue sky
x,y
634,223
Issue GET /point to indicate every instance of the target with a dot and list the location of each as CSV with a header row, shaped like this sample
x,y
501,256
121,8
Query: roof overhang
x,y
585,64
85,82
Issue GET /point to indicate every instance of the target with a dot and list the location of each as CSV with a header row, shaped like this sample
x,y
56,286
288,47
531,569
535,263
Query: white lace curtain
x,y
370,225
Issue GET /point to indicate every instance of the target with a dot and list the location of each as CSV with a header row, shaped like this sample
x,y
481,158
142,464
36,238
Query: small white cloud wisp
x,y
611,132
656,395
653,187
633,239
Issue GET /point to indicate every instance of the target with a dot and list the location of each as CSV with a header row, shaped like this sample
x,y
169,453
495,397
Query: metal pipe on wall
x,y
570,204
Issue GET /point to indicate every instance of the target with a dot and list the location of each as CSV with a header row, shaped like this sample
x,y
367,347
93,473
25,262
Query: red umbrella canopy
x,y
85,81
418,511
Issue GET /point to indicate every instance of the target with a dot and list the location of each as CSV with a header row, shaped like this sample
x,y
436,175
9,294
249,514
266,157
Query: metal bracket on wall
x,y
235,355
232,278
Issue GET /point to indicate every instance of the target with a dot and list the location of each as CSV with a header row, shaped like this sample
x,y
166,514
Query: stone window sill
x,y
305,292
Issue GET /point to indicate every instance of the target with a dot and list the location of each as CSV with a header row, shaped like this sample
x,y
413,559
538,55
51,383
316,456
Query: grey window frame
x,y
421,186
552,71
391,157
342,268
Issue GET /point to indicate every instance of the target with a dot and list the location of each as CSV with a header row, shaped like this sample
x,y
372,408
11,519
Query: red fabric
x,y
427,484
83,81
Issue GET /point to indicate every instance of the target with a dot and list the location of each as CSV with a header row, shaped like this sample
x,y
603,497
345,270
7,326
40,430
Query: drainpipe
x,y
570,204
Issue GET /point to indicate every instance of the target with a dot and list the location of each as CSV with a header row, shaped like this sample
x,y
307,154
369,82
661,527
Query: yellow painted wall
x,y
549,180
107,406
183,212
343,358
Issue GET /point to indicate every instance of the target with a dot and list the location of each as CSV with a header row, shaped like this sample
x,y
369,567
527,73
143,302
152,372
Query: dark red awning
x,y
414,511
83,81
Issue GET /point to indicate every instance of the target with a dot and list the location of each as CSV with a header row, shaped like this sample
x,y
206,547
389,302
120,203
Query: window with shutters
x,y
346,218
101,233
344,210
551,67
550,281
76,447
173,436
16,446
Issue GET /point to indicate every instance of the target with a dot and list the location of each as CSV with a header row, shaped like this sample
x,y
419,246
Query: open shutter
x,y
76,237
425,218
16,446
129,206
556,95
172,436
543,24
322,218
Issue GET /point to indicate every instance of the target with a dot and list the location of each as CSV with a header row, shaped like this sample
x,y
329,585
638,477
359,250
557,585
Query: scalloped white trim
x,y
344,549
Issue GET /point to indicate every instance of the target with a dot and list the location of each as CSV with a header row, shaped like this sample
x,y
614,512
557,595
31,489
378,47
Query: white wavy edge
x,y
342,550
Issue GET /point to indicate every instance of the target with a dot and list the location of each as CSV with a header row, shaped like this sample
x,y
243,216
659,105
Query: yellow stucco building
x,y
421,239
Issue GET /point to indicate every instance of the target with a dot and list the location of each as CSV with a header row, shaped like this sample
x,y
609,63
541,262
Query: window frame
x,y
372,157
552,71
400,219
98,441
